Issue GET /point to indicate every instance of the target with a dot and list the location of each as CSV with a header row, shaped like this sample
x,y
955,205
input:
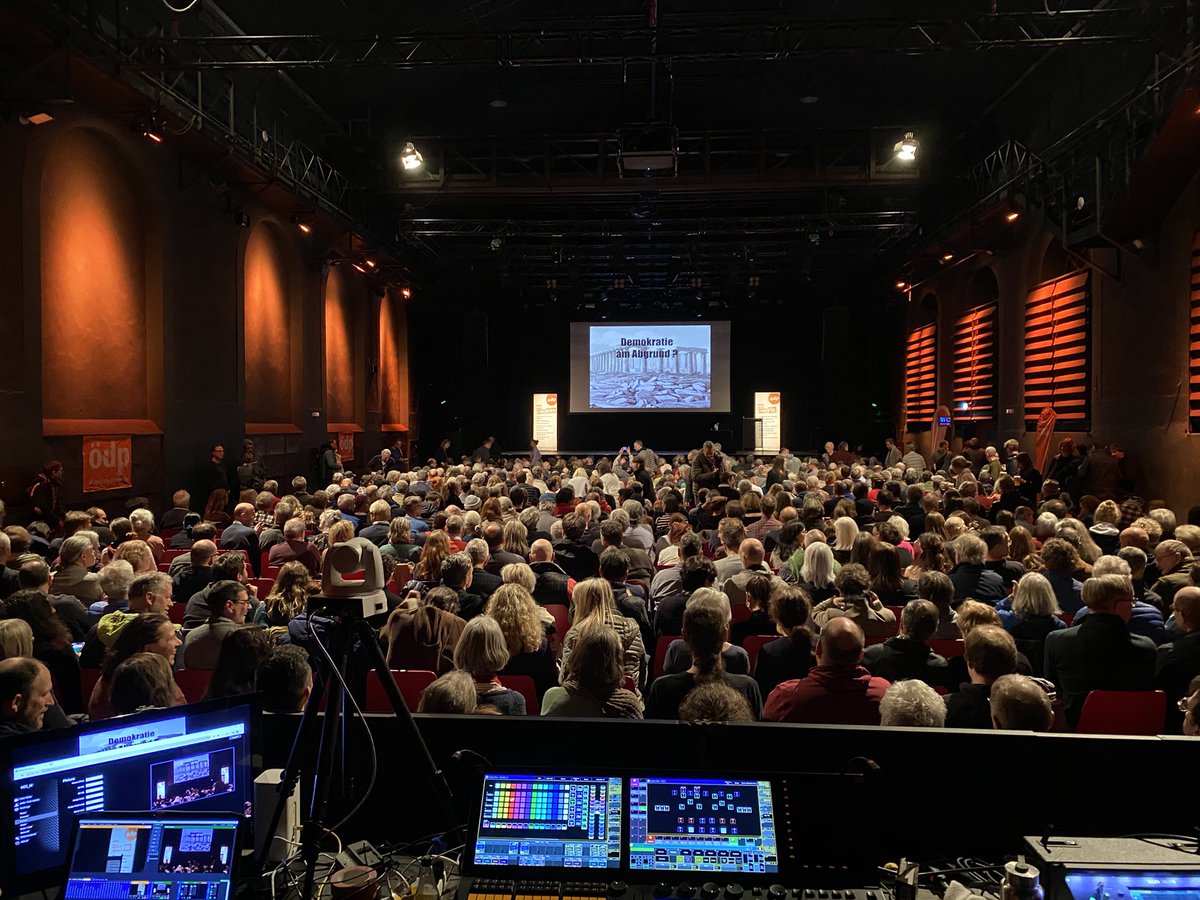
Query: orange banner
x,y
1045,436
107,463
345,445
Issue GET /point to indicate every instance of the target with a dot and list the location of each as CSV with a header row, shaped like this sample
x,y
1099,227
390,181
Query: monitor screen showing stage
x,y
649,366
700,825
569,822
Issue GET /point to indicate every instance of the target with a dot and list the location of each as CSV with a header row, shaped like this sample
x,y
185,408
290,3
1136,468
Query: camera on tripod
x,y
352,582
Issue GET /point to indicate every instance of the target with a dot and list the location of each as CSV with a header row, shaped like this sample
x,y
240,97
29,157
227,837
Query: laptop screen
x,y
153,856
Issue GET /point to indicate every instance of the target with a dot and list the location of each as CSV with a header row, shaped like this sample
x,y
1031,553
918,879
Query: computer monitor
x,y
189,758
702,825
549,821
153,856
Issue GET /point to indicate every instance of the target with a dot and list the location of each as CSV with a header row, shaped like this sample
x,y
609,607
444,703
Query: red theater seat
x,y
947,647
1123,712
193,682
754,643
660,652
411,683
524,686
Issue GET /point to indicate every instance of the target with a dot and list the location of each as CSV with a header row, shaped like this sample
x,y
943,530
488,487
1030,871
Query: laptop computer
x,y
153,856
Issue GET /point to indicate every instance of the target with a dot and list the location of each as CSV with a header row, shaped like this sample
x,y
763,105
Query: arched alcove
x,y
983,288
345,304
101,308
272,287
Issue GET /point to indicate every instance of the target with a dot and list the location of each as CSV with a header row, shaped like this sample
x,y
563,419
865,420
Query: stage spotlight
x,y
360,267
411,158
370,262
902,285
906,148
406,293
302,224
1012,215
947,257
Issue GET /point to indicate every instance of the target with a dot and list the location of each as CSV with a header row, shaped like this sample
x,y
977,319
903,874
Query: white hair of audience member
x,y
471,520
711,598
293,529
519,573
901,525
1034,596
142,520
115,579
1112,565
556,530
912,704
970,549
380,508
619,515
817,569
328,518
477,549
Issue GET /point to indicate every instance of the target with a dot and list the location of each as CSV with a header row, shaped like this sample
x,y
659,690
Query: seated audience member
x,y
51,644
1105,531
912,704
554,585
453,692
458,574
147,633
422,632
705,630
226,567
482,654
838,690
1191,709
735,659
791,656
73,578
666,581
197,574
696,572
529,653
715,702
574,552
288,598
142,521
228,602
1137,559
887,582
1145,618
200,531
938,589
1019,703
614,568
907,655
819,570
990,652
26,696
595,605
751,555
638,564
16,639
758,589
143,681
285,680
1174,559
999,550
172,519
1100,653
1060,563
115,579
236,671
732,533
239,535
150,593
1032,611
295,548
1179,661
855,602
972,579
592,680
400,544
35,575
379,515
8,575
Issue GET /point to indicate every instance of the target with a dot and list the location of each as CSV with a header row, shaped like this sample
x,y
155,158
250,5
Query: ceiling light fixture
x,y
1012,216
947,257
902,285
411,158
406,292
906,148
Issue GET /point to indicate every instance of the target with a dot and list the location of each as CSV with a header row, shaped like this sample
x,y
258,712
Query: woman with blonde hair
x,y
482,653
845,531
1074,532
516,538
1105,530
519,618
400,544
818,572
138,554
1032,611
592,681
519,574
16,639
595,606
288,598
433,554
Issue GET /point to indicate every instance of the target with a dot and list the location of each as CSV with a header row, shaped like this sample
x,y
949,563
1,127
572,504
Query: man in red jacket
x,y
838,690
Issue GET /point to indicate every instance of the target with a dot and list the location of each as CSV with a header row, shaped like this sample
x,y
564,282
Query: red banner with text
x,y
107,463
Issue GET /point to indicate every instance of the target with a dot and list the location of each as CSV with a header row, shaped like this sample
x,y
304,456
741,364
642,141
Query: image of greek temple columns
x,y
688,361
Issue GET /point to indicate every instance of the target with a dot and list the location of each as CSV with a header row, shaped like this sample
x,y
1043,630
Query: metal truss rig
x,y
679,39
699,227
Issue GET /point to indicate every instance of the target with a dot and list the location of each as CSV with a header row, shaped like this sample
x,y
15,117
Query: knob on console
x,y
662,889
777,892
617,888
710,890
685,891
733,892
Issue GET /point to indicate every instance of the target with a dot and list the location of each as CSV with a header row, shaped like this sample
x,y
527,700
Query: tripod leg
x,y
314,828
366,634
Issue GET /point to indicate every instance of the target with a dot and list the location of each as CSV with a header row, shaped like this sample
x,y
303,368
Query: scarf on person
x,y
620,704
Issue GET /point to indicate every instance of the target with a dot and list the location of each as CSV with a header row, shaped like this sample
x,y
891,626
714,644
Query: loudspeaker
x,y
266,796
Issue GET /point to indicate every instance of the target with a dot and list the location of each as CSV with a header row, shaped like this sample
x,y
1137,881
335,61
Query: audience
x,y
147,633
1019,703
592,680
26,696
912,704
243,651
907,655
990,652
791,655
228,602
143,681
482,653
855,601
285,680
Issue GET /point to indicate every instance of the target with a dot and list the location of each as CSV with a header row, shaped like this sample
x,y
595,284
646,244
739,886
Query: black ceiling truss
x,y
686,38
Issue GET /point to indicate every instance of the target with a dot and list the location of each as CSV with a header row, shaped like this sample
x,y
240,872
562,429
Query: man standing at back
x,y
1100,653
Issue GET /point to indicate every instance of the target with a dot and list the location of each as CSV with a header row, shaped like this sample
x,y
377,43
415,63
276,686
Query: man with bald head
x,y
838,690
240,535
1018,703
199,574
751,553
1179,661
553,584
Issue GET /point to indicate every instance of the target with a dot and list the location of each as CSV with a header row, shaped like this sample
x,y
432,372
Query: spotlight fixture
x,y
242,218
947,257
360,266
411,158
302,224
906,148
406,292
370,263
902,285
1012,215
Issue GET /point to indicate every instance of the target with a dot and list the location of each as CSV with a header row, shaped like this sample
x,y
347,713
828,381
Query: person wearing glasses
x,y
1189,706
228,602
1178,663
